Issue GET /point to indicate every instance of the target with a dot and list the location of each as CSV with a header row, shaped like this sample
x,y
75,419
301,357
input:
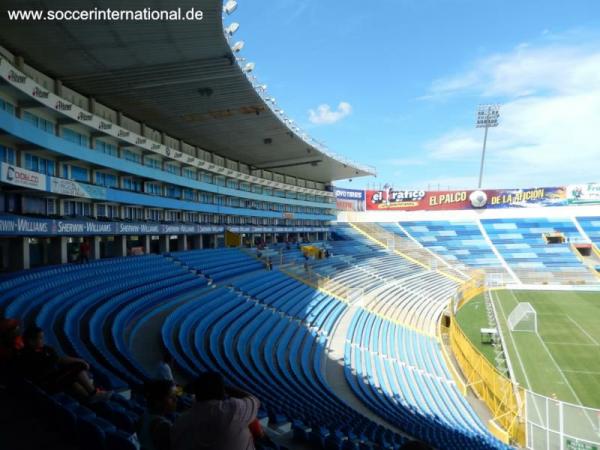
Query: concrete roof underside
x,y
177,77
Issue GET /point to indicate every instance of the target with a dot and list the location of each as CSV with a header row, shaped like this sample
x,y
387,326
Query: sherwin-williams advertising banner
x,y
414,200
350,199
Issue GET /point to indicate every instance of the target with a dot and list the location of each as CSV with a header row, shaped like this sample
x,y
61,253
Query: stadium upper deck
x,y
145,134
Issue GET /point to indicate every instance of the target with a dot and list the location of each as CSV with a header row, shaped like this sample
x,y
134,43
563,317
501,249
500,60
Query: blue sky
x,y
395,84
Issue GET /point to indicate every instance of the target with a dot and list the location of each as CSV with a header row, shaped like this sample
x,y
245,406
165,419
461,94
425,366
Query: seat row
x,y
269,334
400,375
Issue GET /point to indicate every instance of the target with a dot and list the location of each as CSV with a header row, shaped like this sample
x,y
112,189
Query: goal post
x,y
523,318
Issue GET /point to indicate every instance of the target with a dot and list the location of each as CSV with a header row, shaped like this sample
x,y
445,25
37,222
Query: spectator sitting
x,y
155,427
11,343
42,365
219,420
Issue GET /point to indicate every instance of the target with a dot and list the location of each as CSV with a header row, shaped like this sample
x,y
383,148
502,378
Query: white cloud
x,y
549,116
527,70
325,116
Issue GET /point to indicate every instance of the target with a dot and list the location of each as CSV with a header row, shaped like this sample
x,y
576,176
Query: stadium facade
x,y
138,141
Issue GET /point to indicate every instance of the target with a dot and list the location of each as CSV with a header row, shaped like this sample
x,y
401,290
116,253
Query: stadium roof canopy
x,y
179,77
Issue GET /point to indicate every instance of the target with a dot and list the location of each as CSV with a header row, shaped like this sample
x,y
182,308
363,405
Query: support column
x,y
146,242
57,253
182,243
19,254
95,247
121,245
164,243
216,241
197,242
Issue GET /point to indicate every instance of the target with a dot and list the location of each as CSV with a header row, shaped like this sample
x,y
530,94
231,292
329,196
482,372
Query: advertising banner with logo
x,y
75,189
17,225
588,193
389,199
22,177
413,200
350,199
526,198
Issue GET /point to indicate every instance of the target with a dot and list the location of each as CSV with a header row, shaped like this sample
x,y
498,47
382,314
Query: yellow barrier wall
x,y
493,388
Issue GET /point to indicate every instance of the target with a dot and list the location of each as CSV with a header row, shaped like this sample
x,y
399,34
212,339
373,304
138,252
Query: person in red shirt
x,y
11,340
84,251
11,343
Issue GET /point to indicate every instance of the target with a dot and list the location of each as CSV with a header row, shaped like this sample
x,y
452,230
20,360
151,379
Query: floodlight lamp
x,y
238,46
249,67
487,116
230,7
232,28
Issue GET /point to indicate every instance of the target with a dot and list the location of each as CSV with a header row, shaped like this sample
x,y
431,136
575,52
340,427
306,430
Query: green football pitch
x,y
563,359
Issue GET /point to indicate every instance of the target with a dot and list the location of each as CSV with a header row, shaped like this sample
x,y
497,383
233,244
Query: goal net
x,y
523,318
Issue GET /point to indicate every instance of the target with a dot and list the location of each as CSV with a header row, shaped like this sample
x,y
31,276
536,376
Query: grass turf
x,y
564,360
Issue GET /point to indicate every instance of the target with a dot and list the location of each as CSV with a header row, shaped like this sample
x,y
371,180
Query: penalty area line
x,y
590,337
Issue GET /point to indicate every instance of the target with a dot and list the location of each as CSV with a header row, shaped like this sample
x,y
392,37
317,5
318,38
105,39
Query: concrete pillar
x,y
57,251
146,241
95,247
165,243
197,241
121,245
19,254
182,243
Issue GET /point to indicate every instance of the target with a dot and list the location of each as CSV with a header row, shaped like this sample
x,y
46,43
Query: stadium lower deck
x,y
266,332
272,333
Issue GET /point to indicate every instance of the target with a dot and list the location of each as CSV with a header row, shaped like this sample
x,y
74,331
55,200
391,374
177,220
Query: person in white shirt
x,y
163,370
218,420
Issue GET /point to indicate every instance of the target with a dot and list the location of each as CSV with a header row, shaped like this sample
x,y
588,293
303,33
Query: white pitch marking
x,y
583,331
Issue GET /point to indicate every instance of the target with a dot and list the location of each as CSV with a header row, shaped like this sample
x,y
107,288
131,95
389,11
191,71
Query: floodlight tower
x,y
487,117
